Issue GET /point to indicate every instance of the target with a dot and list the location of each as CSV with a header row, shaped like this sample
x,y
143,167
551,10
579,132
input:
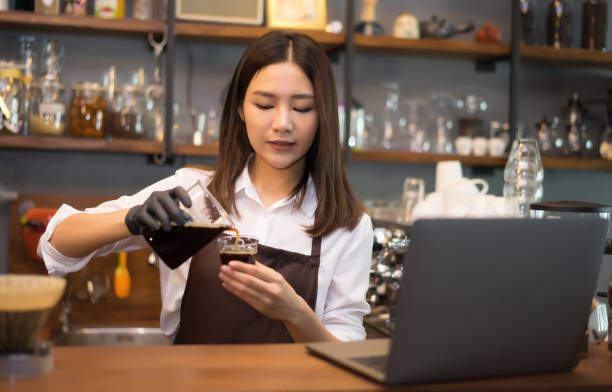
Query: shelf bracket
x,y
160,159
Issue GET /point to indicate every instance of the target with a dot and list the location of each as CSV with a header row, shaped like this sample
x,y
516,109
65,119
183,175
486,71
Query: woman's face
x,y
280,115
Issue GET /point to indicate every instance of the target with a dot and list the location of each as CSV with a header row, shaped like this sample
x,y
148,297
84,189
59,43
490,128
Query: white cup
x,y
460,196
489,206
430,207
497,145
463,145
480,145
447,172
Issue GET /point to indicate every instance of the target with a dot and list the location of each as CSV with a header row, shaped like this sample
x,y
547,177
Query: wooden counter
x,y
262,368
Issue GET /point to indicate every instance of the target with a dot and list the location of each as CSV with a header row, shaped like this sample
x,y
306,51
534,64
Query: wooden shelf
x,y
78,24
415,157
103,145
431,47
236,34
576,163
411,157
206,150
81,144
569,56
211,150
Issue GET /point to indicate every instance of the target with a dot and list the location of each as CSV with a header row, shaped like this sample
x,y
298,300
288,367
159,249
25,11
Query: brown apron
x,y
211,314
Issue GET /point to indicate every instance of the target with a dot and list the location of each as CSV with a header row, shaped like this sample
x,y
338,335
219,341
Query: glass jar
x,y
87,110
127,113
12,98
49,7
143,9
47,108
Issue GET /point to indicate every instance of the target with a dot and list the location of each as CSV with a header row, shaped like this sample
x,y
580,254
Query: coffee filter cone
x,y
29,292
25,302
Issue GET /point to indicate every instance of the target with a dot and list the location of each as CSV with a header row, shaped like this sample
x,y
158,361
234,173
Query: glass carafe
x,y
12,98
207,220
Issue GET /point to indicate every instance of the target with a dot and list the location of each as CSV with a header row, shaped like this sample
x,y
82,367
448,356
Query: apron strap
x,y
316,247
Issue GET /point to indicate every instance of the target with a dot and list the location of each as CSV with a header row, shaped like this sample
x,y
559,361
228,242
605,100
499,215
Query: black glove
x,y
159,210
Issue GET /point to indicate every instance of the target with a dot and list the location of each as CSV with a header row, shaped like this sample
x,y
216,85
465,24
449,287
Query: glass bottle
x,y
559,24
127,113
368,25
523,176
87,110
594,24
47,115
28,48
528,18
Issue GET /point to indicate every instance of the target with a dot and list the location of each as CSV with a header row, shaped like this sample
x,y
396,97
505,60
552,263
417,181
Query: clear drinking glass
x,y
391,102
242,248
412,193
523,175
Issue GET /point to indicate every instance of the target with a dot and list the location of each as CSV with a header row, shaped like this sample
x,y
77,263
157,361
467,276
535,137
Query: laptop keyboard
x,y
376,362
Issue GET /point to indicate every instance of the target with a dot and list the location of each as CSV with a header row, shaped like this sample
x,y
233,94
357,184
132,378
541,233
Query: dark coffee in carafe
x,y
174,247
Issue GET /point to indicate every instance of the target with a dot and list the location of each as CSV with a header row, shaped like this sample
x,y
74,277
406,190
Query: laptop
x,y
485,297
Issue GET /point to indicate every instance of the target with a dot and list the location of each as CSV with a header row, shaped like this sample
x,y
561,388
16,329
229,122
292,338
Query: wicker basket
x,y
25,302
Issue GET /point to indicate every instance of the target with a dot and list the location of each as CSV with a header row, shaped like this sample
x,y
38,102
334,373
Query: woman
x,y
280,175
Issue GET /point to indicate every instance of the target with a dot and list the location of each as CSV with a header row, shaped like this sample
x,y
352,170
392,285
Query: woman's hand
x,y
264,289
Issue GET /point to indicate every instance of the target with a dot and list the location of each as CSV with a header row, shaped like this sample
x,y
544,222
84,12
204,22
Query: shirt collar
x,y
244,184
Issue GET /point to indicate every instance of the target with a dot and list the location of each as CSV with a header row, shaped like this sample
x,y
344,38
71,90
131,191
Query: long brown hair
x,y
337,207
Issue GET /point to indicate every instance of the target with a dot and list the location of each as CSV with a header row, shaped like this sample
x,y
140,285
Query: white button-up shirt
x,y
344,263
